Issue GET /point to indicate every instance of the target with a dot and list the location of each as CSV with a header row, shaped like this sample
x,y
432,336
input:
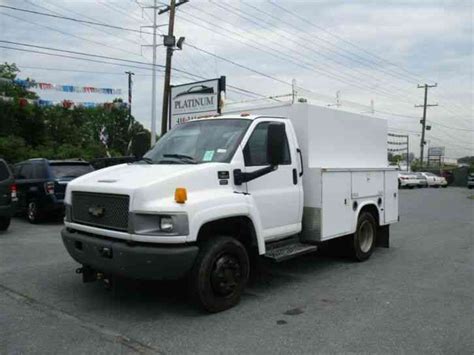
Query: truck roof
x,y
243,115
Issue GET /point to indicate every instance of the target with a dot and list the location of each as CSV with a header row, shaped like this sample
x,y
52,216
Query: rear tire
x,y
220,274
32,212
4,223
363,240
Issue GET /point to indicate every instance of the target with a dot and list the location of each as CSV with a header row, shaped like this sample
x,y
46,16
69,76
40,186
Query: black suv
x,y
7,195
41,185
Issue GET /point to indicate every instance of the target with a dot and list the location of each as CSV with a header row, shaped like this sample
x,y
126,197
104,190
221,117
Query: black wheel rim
x,y
226,275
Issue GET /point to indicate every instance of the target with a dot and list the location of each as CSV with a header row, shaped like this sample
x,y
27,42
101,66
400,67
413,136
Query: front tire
x,y
4,223
220,274
363,240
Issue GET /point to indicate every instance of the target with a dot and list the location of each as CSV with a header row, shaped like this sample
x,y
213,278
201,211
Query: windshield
x,y
67,170
213,140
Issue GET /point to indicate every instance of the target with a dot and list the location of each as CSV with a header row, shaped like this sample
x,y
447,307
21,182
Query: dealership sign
x,y
195,100
436,151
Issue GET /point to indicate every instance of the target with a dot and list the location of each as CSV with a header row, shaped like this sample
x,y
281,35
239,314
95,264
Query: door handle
x,y
298,150
295,177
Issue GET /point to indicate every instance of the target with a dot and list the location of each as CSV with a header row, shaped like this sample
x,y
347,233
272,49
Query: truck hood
x,y
126,176
149,182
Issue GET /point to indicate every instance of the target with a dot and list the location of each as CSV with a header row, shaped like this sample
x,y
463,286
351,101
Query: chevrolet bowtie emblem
x,y
96,211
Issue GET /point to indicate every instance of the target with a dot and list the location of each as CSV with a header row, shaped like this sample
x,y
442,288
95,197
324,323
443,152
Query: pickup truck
x,y
215,191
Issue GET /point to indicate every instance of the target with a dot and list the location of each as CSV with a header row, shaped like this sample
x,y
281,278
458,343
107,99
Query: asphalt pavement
x,y
415,297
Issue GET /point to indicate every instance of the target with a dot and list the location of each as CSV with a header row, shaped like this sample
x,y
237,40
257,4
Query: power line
x,y
132,65
77,52
311,39
262,47
343,39
71,57
84,16
68,34
379,58
72,70
451,127
74,19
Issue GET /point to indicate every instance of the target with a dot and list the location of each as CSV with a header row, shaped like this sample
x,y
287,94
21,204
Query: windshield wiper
x,y
146,160
181,157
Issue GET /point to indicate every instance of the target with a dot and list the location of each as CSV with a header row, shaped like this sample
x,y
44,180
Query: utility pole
x,y
154,27
153,78
129,73
423,120
293,91
169,41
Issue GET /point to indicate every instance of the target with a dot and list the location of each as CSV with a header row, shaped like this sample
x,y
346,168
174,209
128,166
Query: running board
x,y
287,249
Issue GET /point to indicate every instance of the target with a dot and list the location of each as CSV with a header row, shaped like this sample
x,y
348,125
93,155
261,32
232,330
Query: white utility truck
x,y
277,182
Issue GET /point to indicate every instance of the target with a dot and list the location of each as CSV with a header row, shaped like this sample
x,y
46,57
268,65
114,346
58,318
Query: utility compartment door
x,y
367,184
336,204
391,197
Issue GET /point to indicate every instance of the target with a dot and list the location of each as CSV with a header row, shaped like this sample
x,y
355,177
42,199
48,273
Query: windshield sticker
x,y
220,150
208,155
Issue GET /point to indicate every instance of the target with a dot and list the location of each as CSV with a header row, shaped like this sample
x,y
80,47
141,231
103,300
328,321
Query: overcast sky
x,y
366,50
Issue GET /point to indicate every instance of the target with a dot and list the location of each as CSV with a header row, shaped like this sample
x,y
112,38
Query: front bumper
x,y
408,183
116,257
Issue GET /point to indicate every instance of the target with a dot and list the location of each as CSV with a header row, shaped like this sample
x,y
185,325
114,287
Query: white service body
x,y
345,168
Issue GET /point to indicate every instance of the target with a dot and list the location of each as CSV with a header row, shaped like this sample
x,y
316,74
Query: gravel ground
x,y
415,297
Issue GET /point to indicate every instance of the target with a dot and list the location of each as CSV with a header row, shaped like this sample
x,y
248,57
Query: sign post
x,y
195,100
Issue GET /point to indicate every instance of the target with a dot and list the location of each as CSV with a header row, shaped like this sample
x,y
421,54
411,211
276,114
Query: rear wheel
x,y
32,212
4,223
363,240
219,274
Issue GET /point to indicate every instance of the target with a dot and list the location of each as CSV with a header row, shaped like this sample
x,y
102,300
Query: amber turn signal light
x,y
180,195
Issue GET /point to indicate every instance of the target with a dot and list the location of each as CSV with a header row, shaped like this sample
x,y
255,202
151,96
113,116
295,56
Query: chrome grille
x,y
100,210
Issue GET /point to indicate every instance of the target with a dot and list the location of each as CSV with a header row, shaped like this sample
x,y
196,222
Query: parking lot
x,y
416,296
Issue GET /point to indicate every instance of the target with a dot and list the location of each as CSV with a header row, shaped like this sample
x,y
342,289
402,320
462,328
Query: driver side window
x,y
255,151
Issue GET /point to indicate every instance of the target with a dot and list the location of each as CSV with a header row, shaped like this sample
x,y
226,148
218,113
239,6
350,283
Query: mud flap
x,y
383,237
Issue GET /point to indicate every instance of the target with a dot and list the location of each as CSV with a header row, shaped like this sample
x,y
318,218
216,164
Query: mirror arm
x,y
241,177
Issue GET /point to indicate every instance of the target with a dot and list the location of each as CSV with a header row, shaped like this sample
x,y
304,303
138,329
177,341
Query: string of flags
x,y
67,88
27,84
68,104
403,143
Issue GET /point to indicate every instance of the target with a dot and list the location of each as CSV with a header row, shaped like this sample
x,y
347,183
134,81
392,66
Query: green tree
x,y
58,133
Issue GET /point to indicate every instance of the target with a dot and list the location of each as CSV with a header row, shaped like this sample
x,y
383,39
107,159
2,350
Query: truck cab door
x,y
276,195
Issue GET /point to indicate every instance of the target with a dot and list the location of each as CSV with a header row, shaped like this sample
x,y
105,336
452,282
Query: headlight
x,y
166,224
162,224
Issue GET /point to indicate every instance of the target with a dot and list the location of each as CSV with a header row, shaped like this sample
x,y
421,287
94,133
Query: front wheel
x,y
219,274
363,240
4,223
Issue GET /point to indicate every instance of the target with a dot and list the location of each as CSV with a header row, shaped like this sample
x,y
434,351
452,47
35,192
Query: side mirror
x,y
275,143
